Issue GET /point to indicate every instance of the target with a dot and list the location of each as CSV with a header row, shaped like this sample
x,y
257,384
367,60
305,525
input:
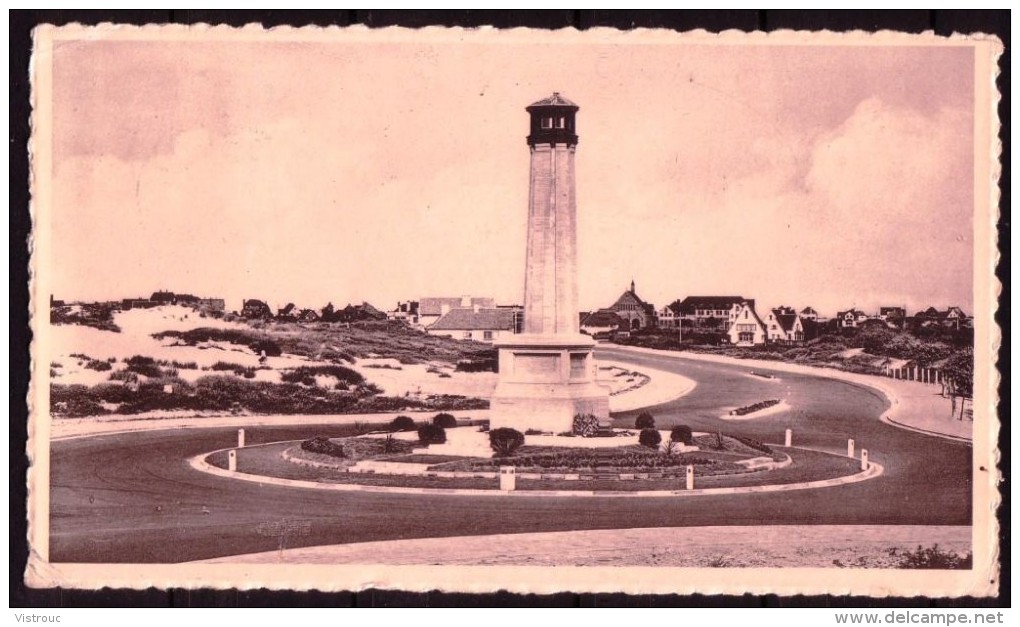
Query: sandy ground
x,y
857,546
135,338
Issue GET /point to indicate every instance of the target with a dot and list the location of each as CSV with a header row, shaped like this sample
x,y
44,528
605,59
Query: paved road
x,y
133,498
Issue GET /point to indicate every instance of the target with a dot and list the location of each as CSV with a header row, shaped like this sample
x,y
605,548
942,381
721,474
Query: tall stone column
x,y
547,374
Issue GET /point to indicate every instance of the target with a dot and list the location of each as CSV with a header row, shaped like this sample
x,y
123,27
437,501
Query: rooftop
x,y
555,100
471,320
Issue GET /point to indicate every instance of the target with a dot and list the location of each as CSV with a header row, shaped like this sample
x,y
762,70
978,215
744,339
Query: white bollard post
x,y
232,460
850,447
507,478
240,438
789,437
690,477
864,459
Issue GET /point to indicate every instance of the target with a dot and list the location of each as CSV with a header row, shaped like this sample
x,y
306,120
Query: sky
x,y
349,171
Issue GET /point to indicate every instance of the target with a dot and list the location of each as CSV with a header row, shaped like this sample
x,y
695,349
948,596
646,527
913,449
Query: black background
x,y
21,23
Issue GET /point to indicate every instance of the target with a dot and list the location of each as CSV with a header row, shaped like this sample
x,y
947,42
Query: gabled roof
x,y
433,306
471,320
749,306
692,303
631,298
555,100
786,321
603,318
809,311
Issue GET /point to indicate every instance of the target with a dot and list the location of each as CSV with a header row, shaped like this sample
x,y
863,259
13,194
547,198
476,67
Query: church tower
x,y
547,373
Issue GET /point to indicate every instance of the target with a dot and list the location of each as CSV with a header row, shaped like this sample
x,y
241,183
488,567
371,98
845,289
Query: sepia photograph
x,y
539,311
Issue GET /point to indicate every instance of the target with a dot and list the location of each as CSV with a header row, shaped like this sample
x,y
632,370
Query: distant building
x,y
287,313
255,309
851,318
637,313
137,303
518,312
710,314
894,317
747,328
308,315
603,324
431,309
669,316
211,305
352,313
784,326
952,318
406,311
809,313
477,324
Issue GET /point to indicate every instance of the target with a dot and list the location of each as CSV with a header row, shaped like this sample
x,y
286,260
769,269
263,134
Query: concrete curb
x,y
935,434
200,464
895,404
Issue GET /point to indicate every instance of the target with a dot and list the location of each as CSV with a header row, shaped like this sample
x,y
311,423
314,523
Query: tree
x,y
645,421
959,376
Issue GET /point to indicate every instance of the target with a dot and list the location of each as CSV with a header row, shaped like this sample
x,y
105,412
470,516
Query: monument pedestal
x,y
545,380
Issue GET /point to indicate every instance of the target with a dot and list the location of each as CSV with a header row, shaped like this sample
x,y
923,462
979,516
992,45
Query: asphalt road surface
x,y
133,498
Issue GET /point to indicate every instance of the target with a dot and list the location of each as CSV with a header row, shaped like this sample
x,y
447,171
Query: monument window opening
x,y
547,122
561,122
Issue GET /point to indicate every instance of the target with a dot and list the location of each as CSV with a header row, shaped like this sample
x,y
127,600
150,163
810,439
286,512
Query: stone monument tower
x,y
547,373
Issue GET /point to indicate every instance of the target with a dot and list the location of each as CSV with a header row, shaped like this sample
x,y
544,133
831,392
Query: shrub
x,y
935,558
445,421
307,374
645,421
505,441
431,434
402,423
269,347
322,445
227,365
650,438
100,366
145,366
682,434
585,425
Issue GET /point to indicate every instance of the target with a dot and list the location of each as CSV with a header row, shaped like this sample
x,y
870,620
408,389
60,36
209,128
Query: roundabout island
x,y
469,459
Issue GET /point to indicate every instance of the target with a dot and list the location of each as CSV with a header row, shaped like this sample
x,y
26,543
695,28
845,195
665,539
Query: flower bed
x,y
750,409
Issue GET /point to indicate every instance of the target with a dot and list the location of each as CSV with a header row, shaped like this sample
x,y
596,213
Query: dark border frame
x,y
995,22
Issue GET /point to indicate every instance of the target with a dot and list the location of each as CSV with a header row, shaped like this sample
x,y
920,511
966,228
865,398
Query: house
x,y
603,324
137,303
851,318
308,315
406,311
518,313
211,305
894,317
478,324
287,314
669,316
784,326
431,309
710,314
747,329
809,313
256,309
630,307
952,318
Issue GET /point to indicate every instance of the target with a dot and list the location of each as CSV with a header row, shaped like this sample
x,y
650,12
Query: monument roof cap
x,y
555,100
